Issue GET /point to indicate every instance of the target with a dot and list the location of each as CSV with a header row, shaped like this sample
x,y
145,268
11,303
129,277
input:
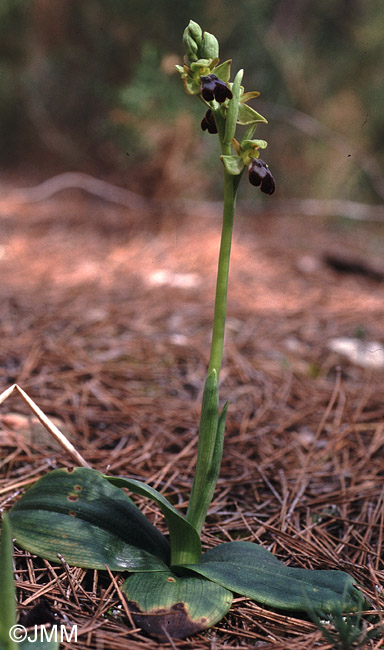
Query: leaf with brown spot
x,y
166,605
89,521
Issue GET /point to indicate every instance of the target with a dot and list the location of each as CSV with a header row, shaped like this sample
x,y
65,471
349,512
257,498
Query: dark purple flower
x,y
259,174
208,122
214,88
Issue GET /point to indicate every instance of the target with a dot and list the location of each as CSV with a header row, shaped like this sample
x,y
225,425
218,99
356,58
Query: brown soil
x,y
105,322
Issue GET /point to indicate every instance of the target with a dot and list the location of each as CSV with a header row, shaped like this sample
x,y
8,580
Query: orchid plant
x,y
173,589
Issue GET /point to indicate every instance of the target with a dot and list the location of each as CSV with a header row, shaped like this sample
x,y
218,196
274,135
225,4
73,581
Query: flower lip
x,y
259,174
214,88
208,122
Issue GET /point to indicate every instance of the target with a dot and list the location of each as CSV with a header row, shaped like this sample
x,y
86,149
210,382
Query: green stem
x,y
226,130
211,427
218,330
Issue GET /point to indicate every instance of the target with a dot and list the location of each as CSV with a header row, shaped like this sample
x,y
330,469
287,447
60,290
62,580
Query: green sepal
x,y
245,97
185,540
169,606
248,115
250,570
234,165
90,522
249,149
223,71
203,66
191,85
253,144
192,75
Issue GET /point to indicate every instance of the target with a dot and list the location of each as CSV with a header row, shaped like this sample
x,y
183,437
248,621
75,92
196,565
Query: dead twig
x,y
48,424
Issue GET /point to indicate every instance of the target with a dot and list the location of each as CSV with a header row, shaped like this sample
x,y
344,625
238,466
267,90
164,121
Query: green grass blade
x,y
7,587
91,523
185,540
8,611
250,570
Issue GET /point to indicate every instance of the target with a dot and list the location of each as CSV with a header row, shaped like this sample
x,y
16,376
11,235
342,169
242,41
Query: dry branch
x,y
47,423
137,203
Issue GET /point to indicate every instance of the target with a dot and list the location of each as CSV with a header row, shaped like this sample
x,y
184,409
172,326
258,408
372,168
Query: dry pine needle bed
x,y
105,323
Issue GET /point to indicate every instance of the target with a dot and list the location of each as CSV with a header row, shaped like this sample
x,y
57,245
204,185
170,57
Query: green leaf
x,y
40,643
208,490
7,586
233,164
209,418
185,540
166,605
91,523
214,470
248,115
223,71
250,570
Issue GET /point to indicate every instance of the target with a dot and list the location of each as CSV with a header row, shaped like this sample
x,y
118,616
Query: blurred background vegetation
x,y
89,85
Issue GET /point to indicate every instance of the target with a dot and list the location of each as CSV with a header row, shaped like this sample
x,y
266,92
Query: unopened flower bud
x,y
214,88
191,39
195,31
208,122
259,174
190,48
209,47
